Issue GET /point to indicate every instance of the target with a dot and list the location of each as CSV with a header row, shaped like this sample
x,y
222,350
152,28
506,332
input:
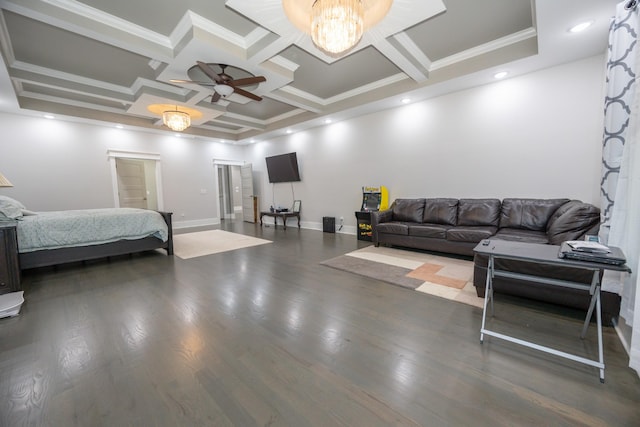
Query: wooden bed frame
x,y
50,257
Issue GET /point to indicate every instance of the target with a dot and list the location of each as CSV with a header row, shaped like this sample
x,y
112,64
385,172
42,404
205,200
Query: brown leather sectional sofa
x,y
456,226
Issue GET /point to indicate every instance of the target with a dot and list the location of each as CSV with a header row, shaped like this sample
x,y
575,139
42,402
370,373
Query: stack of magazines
x,y
582,250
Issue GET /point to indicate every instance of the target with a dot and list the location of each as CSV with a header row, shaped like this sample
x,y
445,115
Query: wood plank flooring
x,y
265,336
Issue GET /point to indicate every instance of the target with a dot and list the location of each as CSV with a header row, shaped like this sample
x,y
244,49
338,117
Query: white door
x,y
246,176
132,186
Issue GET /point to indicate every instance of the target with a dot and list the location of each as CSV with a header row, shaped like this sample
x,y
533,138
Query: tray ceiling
x,y
107,60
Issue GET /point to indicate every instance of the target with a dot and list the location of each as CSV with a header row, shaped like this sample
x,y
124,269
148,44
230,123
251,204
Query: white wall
x,y
57,165
537,135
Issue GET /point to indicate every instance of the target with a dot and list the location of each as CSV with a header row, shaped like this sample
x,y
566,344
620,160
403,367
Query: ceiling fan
x,y
223,84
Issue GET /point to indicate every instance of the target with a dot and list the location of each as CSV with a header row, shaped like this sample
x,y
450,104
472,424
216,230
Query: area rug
x,y
445,277
201,243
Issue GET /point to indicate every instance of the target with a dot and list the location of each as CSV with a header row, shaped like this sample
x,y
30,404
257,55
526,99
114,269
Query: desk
x,y
283,215
547,255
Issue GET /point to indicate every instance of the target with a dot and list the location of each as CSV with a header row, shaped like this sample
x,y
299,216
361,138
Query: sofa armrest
x,y
572,221
379,217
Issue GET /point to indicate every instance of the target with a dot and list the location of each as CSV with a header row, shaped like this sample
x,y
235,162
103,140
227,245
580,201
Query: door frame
x,y
216,164
114,154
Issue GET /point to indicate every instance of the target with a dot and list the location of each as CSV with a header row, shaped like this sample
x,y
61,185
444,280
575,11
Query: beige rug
x,y
191,245
445,277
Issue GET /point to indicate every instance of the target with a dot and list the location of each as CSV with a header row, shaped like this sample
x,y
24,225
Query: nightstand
x,y
9,267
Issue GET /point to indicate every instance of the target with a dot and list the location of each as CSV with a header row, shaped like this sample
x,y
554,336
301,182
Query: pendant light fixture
x,y
176,120
336,26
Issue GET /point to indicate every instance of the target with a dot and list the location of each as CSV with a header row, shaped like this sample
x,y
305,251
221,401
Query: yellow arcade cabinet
x,y
373,199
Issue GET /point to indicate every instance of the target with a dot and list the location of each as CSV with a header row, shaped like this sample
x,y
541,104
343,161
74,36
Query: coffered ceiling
x,y
108,60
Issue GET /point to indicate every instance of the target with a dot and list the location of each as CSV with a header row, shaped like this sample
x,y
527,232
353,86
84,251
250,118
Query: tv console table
x,y
283,215
544,255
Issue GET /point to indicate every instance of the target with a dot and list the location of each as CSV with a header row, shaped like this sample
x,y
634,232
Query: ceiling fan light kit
x,y
224,90
176,120
336,26
225,85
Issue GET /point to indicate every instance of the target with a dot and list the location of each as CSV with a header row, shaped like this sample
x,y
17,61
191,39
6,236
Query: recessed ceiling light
x,y
327,121
120,126
500,75
406,100
289,131
580,27
49,116
252,141
177,135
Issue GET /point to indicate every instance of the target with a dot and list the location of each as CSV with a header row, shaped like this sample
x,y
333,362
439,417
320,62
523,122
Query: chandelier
x,y
176,120
336,26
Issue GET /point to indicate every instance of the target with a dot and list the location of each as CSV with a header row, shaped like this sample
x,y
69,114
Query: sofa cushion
x,y
438,231
470,233
528,214
479,212
441,211
409,210
571,221
393,227
520,235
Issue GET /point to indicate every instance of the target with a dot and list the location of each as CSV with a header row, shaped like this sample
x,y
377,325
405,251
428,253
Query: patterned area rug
x,y
201,243
445,277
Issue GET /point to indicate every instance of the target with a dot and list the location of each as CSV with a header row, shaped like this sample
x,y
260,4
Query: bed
x,y
52,238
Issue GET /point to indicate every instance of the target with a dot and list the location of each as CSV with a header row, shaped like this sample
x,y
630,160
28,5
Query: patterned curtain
x,y
620,185
620,88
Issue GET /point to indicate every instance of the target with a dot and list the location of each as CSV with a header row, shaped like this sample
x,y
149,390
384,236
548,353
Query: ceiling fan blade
x,y
247,94
215,97
247,81
209,72
179,81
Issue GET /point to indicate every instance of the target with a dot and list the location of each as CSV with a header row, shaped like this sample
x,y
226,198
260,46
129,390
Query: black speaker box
x,y
329,224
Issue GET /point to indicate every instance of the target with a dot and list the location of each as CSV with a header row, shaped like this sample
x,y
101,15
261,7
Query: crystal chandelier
x,y
336,26
176,120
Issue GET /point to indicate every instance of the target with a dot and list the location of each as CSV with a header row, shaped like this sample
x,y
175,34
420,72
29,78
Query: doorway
x,y
226,192
136,183
235,190
136,180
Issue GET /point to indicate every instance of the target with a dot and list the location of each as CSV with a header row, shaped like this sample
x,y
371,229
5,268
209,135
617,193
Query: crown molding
x,y
484,48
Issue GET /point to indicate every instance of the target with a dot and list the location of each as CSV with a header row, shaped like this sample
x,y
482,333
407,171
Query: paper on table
x,y
584,246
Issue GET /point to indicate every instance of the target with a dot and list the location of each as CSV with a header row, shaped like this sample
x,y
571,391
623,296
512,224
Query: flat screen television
x,y
283,168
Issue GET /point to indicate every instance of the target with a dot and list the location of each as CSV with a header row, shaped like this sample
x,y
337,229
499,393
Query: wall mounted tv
x,y
283,168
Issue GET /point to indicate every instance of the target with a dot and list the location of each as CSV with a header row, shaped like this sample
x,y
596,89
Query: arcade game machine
x,y
373,199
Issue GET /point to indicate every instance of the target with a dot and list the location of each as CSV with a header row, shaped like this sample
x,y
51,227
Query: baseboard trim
x,y
309,225
621,336
195,223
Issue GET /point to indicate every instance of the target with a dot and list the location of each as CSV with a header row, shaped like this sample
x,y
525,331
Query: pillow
x,y
7,199
27,212
528,214
441,211
408,210
479,212
10,208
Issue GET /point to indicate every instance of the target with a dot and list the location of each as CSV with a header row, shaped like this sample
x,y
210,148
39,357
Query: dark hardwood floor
x,y
266,336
